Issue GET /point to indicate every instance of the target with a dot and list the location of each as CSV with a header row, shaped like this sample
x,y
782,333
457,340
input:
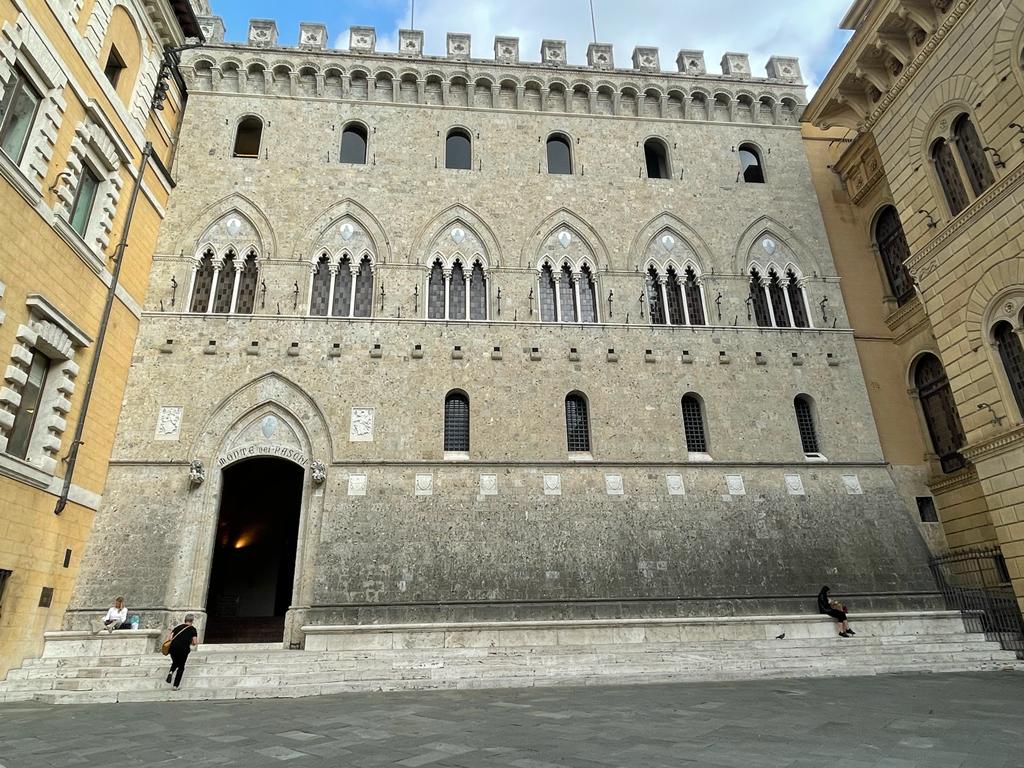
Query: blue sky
x,y
805,28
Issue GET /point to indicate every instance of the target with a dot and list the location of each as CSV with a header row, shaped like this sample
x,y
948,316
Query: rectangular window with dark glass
x,y
5,576
85,198
926,508
17,115
28,409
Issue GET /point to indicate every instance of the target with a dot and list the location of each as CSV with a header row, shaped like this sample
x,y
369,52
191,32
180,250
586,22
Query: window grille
x,y
353,144
940,414
203,284
588,296
778,301
567,296
577,424
321,288
342,306
654,301
674,293
477,293
693,425
805,423
20,436
694,300
949,177
972,154
247,286
456,422
1012,354
18,112
225,286
435,293
893,248
559,155
457,294
547,294
759,301
364,290
796,302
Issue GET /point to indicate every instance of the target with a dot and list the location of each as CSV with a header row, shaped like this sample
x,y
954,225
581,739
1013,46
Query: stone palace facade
x,y
433,338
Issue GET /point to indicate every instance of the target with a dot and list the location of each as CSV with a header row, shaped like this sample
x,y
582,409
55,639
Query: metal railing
x,y
977,583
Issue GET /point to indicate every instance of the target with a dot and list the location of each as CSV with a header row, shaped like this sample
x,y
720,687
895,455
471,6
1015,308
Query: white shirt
x,y
115,615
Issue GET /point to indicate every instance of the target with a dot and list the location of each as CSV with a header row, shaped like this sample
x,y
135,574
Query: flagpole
x,y
412,16
593,22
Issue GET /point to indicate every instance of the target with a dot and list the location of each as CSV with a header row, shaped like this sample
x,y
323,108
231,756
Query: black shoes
x,y
844,634
168,678
850,632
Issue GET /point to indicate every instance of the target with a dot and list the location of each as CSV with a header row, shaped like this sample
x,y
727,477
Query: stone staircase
x,y
506,655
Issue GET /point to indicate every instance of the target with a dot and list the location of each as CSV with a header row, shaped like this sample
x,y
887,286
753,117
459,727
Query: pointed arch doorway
x,y
253,567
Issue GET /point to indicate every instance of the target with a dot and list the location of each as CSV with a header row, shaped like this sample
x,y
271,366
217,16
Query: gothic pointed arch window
x,y
248,137
777,295
477,292
894,252
588,295
694,299
759,300
796,301
341,294
202,286
972,154
567,296
805,422
436,292
693,424
320,290
362,305
245,302
546,295
559,154
457,293
577,423
949,177
225,285
456,422
1011,353
940,414
674,296
655,296
353,144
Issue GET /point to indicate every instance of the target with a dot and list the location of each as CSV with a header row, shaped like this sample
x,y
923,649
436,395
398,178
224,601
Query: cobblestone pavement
x,y
939,721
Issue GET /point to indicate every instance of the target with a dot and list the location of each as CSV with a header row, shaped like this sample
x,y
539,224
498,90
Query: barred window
x,y
892,247
457,294
674,294
435,293
321,287
246,302
778,298
456,422
940,414
759,300
694,298
477,293
805,423
972,154
341,301
363,306
949,177
1012,354
225,285
577,423
693,425
588,296
567,296
547,294
203,284
796,301
353,144
654,297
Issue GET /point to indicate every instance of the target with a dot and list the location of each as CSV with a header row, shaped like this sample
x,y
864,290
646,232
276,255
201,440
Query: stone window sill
x,y
581,456
456,456
24,472
19,180
698,457
815,458
94,261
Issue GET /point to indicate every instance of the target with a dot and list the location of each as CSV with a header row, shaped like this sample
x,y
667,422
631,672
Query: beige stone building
x,y
925,105
76,82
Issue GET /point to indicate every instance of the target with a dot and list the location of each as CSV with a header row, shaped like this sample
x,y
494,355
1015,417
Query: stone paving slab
x,y
904,721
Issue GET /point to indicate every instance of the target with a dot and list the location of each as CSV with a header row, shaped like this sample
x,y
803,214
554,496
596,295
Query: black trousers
x,y
178,665
838,615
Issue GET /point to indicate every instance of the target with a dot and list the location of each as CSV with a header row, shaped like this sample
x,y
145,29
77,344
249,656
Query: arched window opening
x,y
797,305
559,155
341,294
456,422
940,414
972,154
567,296
805,424
674,295
477,293
353,144
248,137
320,293
694,299
894,251
588,296
457,294
778,300
225,286
693,425
362,305
458,150
656,157
203,284
1012,355
577,423
548,313
949,177
759,300
655,296
436,292
245,303
750,164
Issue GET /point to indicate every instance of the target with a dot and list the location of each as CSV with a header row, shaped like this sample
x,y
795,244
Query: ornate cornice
x,y
988,200
993,446
868,185
902,315
946,483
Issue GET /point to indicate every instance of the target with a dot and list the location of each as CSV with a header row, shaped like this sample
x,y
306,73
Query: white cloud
x,y
804,28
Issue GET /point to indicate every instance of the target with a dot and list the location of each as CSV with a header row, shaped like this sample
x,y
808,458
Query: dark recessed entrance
x,y
254,555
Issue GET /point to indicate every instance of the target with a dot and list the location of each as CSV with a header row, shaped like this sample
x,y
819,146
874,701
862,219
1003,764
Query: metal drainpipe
x,y
72,458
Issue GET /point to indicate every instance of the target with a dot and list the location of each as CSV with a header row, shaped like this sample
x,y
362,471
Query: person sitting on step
x,y
116,618
836,610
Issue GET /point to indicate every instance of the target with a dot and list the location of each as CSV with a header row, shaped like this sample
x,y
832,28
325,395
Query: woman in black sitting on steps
x,y
836,610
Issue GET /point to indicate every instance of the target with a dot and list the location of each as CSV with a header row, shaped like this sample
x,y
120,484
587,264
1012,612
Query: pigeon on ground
x,y
781,637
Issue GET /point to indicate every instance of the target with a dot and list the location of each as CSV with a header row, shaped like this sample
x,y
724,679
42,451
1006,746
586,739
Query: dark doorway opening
x,y
254,554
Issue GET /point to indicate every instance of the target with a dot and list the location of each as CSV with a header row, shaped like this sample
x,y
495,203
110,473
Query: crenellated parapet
x,y
408,76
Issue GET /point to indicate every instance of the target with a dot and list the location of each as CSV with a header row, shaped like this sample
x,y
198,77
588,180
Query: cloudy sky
x,y
804,28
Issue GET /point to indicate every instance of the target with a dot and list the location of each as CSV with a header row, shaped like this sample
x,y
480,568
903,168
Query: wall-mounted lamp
x,y
295,296
822,303
996,419
932,223
1020,129
999,162
263,294
174,289
63,175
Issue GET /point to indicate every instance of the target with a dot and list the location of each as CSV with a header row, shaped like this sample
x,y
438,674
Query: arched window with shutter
x,y
435,292
751,167
353,144
759,300
805,423
693,424
559,153
363,301
547,297
321,289
972,154
674,296
202,285
949,177
1011,353
248,137
458,150
577,423
224,289
940,414
456,422
894,252
655,296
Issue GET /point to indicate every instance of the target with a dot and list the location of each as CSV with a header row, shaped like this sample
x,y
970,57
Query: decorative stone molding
x,y
852,485
941,484
646,59
552,485
424,485
691,63
552,52
196,473
212,28
458,46
506,50
736,65
735,486
613,485
357,485
317,472
601,56
361,425
795,485
784,68
168,423
488,485
410,42
362,39
312,37
675,485
262,33
1006,440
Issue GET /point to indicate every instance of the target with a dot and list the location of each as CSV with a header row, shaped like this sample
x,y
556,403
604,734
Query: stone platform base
x,y
507,655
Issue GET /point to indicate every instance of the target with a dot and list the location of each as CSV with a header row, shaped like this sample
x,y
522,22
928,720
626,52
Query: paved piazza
x,y
939,721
